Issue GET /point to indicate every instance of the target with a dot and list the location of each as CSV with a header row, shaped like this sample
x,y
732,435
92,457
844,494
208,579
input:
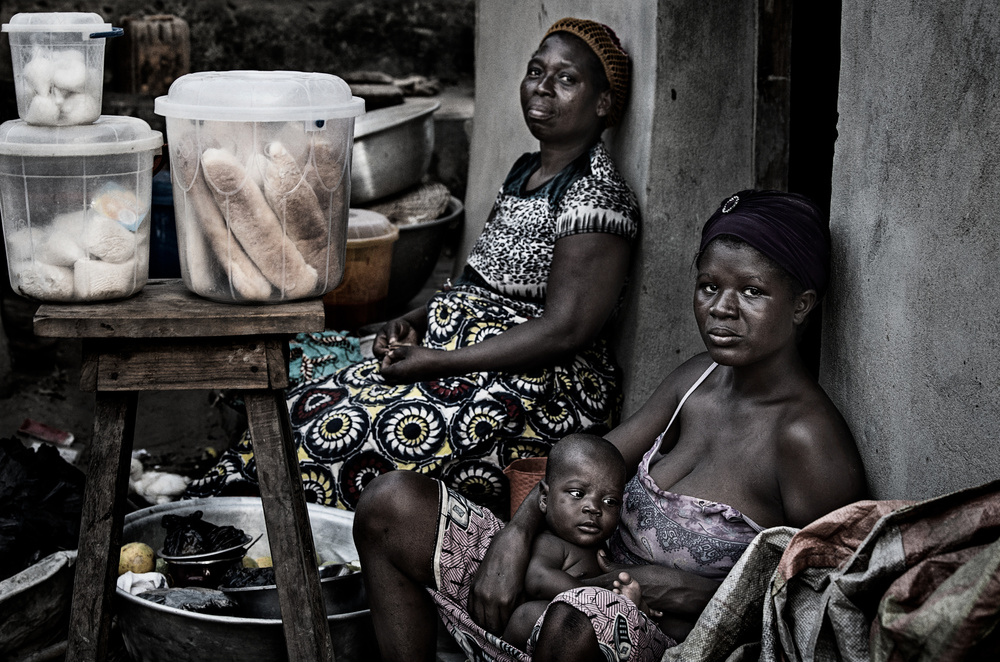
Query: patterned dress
x,y
352,426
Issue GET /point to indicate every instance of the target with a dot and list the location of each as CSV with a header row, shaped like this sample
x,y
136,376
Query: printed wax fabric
x,y
352,426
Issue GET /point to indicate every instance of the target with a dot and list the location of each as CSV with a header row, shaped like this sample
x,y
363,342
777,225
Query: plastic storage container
x,y
361,297
58,60
261,170
75,204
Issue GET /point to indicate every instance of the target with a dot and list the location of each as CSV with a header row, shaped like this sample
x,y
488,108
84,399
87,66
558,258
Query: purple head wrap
x,y
786,227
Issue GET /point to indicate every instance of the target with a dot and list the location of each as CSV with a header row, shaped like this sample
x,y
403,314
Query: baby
x,y
581,498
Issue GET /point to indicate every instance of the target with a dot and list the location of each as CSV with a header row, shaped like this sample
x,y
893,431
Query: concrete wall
x,y
911,337
685,144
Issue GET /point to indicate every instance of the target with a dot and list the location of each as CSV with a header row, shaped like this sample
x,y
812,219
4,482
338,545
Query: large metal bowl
x,y
416,252
156,633
392,149
341,595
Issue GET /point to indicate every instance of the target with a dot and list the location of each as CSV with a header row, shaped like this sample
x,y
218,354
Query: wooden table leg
x,y
101,526
303,614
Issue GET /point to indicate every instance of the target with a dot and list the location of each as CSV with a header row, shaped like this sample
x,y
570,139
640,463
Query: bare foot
x,y
630,588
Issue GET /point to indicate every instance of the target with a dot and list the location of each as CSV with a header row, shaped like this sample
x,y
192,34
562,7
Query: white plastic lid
x,y
56,22
259,96
110,134
365,226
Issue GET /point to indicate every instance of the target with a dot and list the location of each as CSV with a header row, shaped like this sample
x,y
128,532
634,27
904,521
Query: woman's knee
x,y
393,500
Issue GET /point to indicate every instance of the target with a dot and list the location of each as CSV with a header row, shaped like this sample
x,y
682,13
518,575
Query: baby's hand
x,y
630,588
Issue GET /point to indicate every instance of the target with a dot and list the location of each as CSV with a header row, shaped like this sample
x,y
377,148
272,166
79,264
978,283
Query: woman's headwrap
x,y
786,227
605,44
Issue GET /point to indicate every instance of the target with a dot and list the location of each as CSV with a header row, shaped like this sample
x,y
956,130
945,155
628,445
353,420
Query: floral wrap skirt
x,y
352,426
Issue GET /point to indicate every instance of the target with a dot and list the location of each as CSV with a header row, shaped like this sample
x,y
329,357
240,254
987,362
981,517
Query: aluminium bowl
x,y
392,149
416,253
157,633
342,595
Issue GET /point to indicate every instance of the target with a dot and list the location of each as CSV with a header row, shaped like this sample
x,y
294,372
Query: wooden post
x,y
101,526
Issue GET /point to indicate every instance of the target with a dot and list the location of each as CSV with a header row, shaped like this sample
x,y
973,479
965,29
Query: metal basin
x,y
416,252
392,149
156,633
340,594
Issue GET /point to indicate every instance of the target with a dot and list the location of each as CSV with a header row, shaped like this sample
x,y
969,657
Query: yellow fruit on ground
x,y
249,562
136,557
264,562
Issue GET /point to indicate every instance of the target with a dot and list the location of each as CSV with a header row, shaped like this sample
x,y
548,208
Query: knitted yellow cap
x,y
604,42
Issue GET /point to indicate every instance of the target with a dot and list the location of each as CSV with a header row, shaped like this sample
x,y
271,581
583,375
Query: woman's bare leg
x,y
395,530
567,634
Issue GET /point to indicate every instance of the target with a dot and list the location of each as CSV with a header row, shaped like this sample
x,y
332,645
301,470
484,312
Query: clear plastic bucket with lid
x,y
75,205
58,62
261,168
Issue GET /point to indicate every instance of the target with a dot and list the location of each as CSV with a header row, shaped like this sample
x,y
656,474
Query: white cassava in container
x,y
261,174
75,204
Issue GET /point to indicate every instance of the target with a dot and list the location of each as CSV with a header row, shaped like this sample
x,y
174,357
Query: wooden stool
x,y
166,338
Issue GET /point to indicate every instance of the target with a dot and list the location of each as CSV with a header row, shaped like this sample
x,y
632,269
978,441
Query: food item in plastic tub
x,y
75,205
260,165
58,61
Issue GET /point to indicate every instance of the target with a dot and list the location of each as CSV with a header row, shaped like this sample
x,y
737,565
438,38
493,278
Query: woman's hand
x,y
498,585
397,332
669,590
405,364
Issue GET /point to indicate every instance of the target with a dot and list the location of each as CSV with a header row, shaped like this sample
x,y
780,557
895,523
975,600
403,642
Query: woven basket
x,y
523,475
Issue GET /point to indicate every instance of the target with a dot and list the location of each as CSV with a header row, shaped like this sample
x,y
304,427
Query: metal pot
x,y
156,633
416,253
392,149
344,594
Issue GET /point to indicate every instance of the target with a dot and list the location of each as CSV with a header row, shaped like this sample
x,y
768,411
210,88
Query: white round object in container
x,y
75,204
261,170
58,64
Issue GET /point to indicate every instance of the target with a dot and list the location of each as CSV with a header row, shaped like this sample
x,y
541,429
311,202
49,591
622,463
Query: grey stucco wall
x,y
911,341
685,143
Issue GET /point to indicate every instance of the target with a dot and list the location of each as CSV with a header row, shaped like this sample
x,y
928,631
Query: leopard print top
x,y
514,252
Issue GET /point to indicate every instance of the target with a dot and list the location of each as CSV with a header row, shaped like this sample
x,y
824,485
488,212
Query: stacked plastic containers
x,y
261,171
75,186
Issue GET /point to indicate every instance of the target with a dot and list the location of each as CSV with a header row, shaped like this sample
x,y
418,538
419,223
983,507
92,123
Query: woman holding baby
x,y
735,440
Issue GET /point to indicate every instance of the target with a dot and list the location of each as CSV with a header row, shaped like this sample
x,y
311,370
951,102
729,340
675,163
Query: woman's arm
x,y
587,275
497,586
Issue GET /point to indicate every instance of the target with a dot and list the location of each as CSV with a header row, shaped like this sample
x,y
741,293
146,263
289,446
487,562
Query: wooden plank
x,y
277,363
165,309
88,366
101,527
303,614
180,364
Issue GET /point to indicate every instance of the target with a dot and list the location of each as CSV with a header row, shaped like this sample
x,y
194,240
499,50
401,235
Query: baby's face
x,y
583,503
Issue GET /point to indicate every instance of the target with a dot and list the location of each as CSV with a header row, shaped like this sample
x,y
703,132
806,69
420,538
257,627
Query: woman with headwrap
x,y
513,357
737,439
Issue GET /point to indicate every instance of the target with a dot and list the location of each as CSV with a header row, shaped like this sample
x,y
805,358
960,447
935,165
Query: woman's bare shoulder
x,y
819,466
